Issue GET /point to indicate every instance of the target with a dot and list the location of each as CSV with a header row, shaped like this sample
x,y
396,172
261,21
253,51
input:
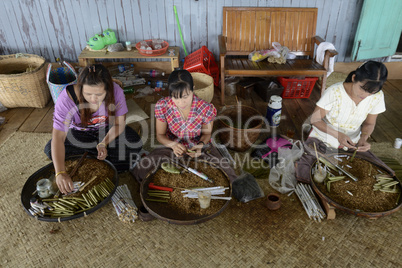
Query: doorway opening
x,y
398,54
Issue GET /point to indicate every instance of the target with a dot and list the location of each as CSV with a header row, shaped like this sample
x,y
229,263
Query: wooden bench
x,y
246,29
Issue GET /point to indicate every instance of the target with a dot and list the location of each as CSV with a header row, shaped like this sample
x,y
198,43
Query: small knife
x,y
199,174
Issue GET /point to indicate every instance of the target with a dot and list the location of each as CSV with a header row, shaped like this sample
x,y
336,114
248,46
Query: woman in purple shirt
x,y
90,116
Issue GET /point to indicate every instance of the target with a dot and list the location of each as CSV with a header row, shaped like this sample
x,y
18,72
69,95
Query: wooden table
x,y
88,57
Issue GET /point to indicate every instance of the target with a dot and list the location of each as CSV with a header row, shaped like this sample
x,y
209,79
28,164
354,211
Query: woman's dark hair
x,y
372,73
180,81
93,75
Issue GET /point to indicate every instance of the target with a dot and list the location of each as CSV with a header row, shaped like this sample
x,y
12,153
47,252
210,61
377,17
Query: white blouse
x,y
344,115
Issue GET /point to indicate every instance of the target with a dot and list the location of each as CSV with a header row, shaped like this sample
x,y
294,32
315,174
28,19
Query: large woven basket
x,y
19,88
204,86
235,136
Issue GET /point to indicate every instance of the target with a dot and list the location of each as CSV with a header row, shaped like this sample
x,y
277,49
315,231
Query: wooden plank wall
x,y
60,28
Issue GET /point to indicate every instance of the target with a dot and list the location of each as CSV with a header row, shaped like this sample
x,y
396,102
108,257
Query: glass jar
x,y
204,198
45,188
319,174
128,45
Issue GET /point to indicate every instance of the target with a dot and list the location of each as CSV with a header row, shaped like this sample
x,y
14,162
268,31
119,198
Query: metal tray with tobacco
x,y
88,170
182,210
374,194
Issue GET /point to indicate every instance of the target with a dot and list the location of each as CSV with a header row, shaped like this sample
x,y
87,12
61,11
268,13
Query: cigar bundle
x,y
124,205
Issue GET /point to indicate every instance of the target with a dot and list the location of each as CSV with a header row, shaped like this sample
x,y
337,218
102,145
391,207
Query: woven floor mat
x,y
386,150
244,235
335,77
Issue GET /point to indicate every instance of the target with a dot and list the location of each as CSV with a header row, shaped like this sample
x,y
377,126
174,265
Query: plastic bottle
x,y
126,67
274,111
151,73
158,84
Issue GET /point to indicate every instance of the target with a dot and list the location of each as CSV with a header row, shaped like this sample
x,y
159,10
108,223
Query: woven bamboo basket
x,y
204,86
19,88
235,136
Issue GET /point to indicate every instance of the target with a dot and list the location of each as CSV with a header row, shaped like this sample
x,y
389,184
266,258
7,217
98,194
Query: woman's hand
x,y
363,145
102,151
196,150
179,149
65,183
345,141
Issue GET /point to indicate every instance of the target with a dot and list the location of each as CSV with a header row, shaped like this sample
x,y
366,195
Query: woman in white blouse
x,y
346,114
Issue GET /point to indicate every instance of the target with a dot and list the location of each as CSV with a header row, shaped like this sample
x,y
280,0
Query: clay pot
x,y
273,201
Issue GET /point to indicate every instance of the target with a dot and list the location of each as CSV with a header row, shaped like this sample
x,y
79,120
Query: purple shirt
x,y
66,114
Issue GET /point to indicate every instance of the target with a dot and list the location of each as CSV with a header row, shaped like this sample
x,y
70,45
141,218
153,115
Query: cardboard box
x,y
265,89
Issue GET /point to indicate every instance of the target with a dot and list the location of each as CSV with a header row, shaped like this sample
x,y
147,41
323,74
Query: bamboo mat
x,y
335,77
244,235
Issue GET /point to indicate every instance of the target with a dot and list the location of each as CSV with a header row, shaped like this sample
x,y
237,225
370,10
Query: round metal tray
x,y
45,172
370,215
163,212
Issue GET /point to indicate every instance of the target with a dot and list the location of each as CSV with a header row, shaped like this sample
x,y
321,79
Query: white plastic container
x,y
204,198
398,143
274,110
128,45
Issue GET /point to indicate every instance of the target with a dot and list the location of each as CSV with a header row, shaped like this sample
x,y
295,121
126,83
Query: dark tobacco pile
x,y
363,197
189,180
88,169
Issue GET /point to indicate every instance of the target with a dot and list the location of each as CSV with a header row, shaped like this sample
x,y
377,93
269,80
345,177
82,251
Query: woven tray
x,y
165,212
370,215
45,172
